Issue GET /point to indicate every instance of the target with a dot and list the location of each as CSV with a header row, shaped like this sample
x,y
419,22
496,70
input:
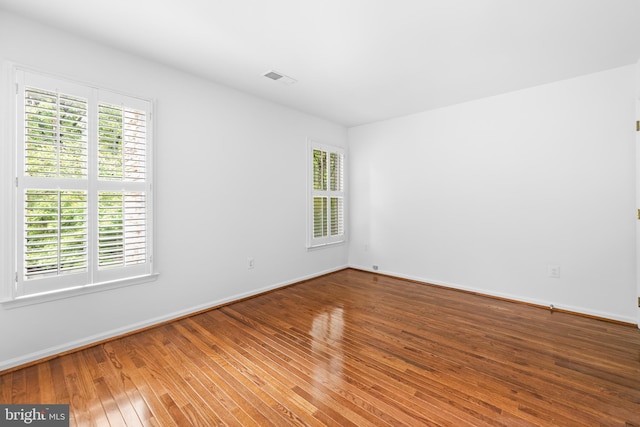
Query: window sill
x,y
326,245
76,291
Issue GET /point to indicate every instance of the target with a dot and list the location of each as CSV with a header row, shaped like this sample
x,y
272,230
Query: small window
x,y
83,197
327,202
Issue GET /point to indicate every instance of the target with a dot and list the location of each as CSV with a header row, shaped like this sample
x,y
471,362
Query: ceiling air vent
x,y
279,77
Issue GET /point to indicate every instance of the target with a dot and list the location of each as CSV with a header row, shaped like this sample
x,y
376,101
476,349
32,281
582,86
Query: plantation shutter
x,y
327,196
121,229
122,143
83,187
55,232
123,187
55,134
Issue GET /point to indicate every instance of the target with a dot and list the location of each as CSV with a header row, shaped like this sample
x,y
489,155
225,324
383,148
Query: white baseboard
x,y
519,298
114,333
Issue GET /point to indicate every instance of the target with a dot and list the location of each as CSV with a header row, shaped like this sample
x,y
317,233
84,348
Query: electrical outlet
x,y
553,271
250,263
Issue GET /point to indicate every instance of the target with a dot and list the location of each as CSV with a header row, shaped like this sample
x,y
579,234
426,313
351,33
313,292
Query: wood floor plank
x,y
295,412
119,385
136,368
19,387
161,379
197,401
315,371
5,388
307,387
201,357
352,349
80,392
44,377
376,405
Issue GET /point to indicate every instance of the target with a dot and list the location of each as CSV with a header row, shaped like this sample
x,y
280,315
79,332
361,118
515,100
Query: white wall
x,y
231,184
485,195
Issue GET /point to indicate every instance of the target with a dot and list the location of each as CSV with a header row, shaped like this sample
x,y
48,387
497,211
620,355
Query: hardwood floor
x,y
352,349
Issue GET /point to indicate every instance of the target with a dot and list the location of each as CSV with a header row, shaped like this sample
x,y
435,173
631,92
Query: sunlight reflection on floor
x,y
326,331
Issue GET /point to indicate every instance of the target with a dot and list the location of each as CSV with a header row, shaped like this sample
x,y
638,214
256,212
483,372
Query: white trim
x,y
114,333
69,79
75,291
519,298
7,180
324,245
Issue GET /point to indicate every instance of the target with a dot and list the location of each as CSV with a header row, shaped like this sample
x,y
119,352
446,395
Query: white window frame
x,y
17,289
329,239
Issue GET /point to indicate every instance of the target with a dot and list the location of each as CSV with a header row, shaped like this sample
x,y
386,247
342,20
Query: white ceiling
x,y
358,61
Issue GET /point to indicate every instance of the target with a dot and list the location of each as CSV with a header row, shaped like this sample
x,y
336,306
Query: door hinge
x,y
637,125
17,281
638,302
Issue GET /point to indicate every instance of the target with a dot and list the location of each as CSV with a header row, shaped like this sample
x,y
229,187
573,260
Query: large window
x,y
82,188
327,201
